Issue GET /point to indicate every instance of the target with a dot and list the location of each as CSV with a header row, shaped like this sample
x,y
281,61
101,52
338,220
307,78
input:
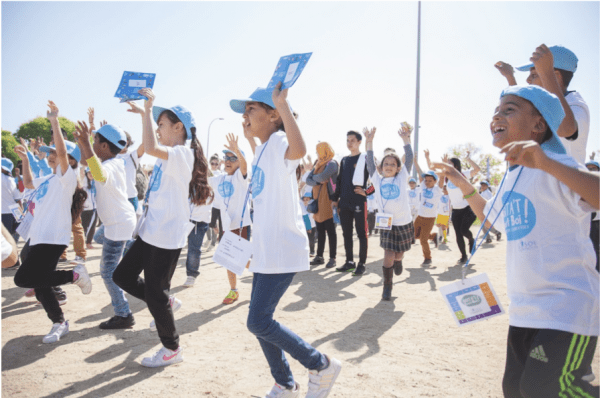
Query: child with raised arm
x,y
391,194
115,211
280,243
179,173
59,202
552,284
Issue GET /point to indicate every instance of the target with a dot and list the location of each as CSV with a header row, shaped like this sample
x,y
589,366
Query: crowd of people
x,y
95,190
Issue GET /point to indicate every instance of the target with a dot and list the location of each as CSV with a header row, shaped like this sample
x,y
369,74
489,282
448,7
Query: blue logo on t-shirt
x,y
519,216
258,181
428,193
42,190
444,199
226,189
156,178
450,185
412,194
390,191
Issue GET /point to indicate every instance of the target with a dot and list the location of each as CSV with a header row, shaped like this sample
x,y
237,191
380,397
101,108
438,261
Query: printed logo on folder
x,y
131,83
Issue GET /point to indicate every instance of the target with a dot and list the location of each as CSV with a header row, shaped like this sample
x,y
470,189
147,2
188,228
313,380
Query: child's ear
x,y
274,115
559,79
540,126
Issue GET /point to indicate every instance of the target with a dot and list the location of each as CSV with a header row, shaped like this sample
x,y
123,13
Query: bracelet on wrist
x,y
470,195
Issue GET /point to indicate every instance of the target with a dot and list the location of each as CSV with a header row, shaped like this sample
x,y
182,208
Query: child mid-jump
x,y
391,194
115,211
280,244
552,284
59,202
179,173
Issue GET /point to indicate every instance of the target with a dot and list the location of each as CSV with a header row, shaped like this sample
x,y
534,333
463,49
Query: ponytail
x,y
79,198
200,191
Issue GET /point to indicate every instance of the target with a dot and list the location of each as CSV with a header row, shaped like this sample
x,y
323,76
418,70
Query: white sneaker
x,y
78,260
589,377
175,305
163,357
84,281
58,330
281,392
189,282
321,382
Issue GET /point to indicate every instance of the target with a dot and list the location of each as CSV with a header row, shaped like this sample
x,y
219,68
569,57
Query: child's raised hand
x,y
279,96
369,134
445,169
426,152
525,153
91,116
21,152
446,158
543,59
504,68
23,143
404,133
135,108
148,93
52,113
232,140
82,132
103,123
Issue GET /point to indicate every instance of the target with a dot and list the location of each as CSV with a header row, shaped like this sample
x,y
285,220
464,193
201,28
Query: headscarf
x,y
325,153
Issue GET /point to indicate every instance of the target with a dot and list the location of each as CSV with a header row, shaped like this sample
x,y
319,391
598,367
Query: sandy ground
x,y
409,347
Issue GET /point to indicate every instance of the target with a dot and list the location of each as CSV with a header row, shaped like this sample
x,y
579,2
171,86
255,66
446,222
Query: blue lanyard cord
x,y
476,246
250,186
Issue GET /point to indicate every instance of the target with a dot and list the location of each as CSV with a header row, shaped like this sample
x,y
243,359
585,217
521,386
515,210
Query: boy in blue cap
x,y
552,68
552,284
114,209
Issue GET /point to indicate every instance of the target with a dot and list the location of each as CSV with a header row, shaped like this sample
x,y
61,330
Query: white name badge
x,y
137,83
383,221
233,253
25,226
16,212
471,300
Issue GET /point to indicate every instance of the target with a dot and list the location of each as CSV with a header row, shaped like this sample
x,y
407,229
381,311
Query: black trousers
x,y
326,229
547,363
462,219
89,221
595,236
359,218
371,221
38,271
158,266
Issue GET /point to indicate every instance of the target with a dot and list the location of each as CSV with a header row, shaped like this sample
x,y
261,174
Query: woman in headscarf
x,y
322,178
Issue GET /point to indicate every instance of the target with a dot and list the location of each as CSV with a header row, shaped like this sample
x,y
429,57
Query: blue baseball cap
x,y
548,105
184,115
7,165
590,163
431,173
307,195
72,149
484,182
564,59
113,134
412,180
259,95
226,151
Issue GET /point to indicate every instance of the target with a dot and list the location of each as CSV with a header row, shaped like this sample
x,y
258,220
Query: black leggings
x,y
462,219
38,271
158,266
329,227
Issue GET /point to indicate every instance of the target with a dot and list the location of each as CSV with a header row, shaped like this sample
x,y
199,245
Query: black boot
x,y
398,267
388,276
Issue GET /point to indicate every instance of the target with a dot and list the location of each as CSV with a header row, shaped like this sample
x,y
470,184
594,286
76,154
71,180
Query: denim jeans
x,y
274,338
99,235
111,255
195,238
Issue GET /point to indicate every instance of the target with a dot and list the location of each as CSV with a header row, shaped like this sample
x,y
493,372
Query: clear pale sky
x,y
362,71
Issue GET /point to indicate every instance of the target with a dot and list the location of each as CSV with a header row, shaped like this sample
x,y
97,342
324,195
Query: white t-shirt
x,y
131,163
456,196
6,248
52,215
487,194
429,200
201,213
581,112
279,239
115,211
168,216
413,197
371,203
231,191
444,206
10,193
550,262
90,202
391,195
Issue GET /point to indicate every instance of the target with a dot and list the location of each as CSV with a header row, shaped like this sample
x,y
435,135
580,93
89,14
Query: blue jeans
x,y
195,238
274,338
99,235
111,255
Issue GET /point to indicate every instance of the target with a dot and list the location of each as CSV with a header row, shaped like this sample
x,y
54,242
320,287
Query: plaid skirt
x,y
398,239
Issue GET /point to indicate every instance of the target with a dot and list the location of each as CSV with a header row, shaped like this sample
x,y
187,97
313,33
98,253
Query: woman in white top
x,y
179,173
88,216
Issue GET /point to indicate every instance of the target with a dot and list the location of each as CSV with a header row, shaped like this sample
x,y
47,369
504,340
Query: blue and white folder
x,y
131,83
288,70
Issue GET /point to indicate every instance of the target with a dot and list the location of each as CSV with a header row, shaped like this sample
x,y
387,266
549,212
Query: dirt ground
x,y
409,347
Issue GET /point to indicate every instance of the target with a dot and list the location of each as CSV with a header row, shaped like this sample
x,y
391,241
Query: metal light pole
x,y
418,91
208,136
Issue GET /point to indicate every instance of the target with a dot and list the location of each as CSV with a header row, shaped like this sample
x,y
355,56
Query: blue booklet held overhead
x,y
131,83
288,70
